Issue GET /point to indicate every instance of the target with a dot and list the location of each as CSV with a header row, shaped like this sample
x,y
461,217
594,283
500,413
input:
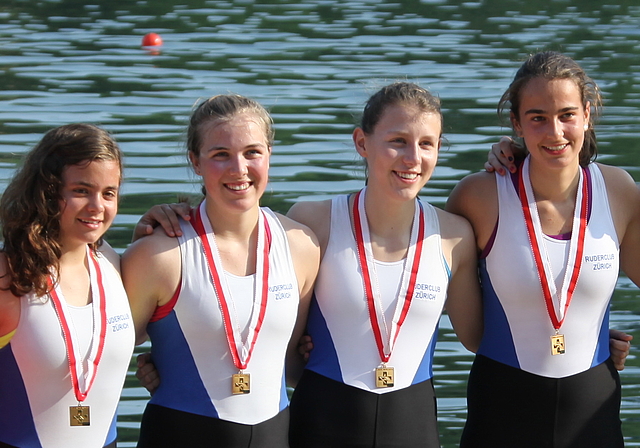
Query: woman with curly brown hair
x,y
66,334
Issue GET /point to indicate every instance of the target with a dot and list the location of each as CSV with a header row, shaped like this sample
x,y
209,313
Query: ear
x,y
359,138
195,162
516,124
587,112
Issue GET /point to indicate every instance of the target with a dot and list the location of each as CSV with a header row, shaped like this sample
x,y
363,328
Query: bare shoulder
x,y
156,243
476,198
316,215
298,233
622,190
151,257
310,213
453,226
471,188
624,199
617,178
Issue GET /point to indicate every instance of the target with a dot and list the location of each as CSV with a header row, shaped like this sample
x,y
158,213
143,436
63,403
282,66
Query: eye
x,y
80,190
111,194
254,152
219,155
427,143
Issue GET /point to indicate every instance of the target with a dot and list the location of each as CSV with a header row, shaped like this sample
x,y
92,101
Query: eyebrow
x,y
540,111
90,185
226,148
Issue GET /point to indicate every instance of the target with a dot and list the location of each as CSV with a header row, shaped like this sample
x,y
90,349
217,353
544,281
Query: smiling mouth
x,y
556,148
91,222
238,187
408,176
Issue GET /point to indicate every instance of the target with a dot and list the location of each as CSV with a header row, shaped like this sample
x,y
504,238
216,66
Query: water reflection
x,y
313,63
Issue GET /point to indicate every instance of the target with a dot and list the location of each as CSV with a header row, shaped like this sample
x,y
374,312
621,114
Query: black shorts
x,y
169,428
510,408
327,413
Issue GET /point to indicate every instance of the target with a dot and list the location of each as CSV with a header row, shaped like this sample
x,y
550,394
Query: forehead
x,y
403,116
245,123
550,91
105,172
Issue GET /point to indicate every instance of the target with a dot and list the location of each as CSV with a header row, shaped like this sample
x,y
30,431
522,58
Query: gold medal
x,y
557,344
240,383
79,416
384,377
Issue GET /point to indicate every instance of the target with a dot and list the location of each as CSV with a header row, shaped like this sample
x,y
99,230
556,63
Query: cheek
x,y
112,207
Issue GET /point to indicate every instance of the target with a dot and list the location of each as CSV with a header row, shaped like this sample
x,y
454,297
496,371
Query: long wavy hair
x,y
30,207
552,65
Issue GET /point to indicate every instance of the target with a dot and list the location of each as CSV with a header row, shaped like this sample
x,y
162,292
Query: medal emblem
x,y
384,377
240,383
557,344
79,416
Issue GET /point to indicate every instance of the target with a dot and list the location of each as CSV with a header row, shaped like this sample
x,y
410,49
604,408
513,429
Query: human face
x,y
552,121
234,161
402,150
89,201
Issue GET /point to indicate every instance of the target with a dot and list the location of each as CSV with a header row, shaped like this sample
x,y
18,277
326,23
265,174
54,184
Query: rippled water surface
x,y
313,63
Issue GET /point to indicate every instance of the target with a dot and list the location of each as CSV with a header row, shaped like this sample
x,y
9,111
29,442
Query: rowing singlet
x,y
35,384
344,347
190,349
517,327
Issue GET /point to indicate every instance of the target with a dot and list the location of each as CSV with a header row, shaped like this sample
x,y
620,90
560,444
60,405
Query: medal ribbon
x,y
366,260
80,380
240,352
576,246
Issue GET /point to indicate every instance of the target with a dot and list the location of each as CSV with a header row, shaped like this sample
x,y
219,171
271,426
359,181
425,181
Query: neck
x,y
239,226
73,256
392,219
389,226
554,185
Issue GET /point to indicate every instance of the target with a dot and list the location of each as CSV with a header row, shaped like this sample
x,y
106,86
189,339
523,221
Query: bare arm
x,y
151,273
475,198
317,216
464,303
305,252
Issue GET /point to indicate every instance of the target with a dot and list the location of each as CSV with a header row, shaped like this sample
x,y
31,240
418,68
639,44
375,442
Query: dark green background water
x,y
313,63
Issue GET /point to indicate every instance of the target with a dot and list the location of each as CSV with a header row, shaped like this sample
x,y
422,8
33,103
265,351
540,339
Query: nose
x,y
556,129
239,165
96,202
412,153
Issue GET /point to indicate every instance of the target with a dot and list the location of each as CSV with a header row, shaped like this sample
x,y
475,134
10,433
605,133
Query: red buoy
x,y
151,40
